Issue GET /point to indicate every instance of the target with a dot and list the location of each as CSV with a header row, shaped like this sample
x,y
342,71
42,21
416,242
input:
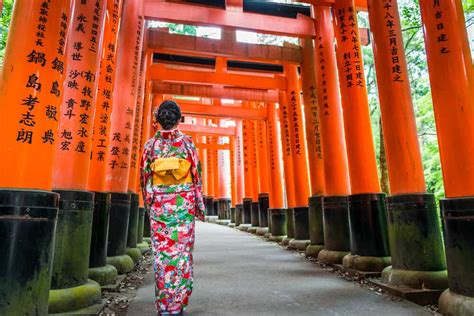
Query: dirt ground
x,y
119,299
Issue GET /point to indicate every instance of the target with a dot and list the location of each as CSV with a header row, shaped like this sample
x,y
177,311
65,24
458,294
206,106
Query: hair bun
x,y
168,114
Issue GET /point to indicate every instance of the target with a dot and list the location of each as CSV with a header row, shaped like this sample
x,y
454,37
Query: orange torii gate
x,y
332,164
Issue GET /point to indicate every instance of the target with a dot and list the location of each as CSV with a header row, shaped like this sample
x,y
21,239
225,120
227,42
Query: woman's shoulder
x,y
188,139
149,143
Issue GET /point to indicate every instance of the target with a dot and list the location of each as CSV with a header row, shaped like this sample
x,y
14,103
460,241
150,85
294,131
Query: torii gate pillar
x,y
451,87
29,121
336,173
367,208
300,162
119,159
416,245
72,163
99,270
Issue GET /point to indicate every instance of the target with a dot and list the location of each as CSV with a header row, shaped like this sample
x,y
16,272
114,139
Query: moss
x,y
103,275
30,298
71,299
134,253
415,241
72,248
123,263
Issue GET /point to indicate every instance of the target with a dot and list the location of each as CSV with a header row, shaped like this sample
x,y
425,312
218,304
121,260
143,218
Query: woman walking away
x,y
171,182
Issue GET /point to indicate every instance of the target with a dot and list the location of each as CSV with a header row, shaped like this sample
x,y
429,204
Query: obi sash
x,y
171,171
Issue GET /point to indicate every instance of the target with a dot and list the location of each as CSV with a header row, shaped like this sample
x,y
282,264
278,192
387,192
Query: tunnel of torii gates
x,y
290,157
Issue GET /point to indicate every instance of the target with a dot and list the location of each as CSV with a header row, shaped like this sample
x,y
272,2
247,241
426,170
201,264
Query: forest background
x,y
417,68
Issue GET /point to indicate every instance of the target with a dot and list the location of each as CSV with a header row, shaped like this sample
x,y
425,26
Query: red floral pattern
x,y
172,211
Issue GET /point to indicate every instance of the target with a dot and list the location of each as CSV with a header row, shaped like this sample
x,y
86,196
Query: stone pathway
x,y
240,274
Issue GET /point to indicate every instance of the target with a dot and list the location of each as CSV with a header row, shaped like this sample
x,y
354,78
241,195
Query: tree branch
x,y
411,28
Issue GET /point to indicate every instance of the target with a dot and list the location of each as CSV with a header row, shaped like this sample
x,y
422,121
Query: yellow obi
x,y
171,171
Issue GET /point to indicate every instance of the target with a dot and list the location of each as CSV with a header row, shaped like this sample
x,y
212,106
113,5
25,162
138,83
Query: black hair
x,y
168,114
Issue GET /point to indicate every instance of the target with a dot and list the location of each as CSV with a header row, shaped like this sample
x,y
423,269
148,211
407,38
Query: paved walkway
x,y
239,274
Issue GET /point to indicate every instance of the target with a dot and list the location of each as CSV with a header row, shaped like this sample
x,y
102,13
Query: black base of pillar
x,y
73,239
141,223
72,253
416,245
146,225
301,224
279,227
239,210
223,208
269,216
290,227
336,230
451,303
316,231
368,233
254,215
458,217
247,211
100,230
232,215
118,224
209,203
263,201
99,271
290,223
132,235
215,207
118,232
27,233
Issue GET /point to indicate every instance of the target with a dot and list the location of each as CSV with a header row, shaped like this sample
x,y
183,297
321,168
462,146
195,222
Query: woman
x,y
171,182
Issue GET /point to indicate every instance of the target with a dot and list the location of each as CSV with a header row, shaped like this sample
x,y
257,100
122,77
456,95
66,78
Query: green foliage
x,y
4,25
182,29
429,145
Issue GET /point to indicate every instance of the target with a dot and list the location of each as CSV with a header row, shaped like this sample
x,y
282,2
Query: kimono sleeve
x,y
196,173
146,175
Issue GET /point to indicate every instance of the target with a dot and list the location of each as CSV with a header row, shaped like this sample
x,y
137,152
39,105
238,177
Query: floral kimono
x,y
172,207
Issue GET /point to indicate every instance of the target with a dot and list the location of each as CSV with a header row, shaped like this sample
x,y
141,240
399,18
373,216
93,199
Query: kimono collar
x,y
168,134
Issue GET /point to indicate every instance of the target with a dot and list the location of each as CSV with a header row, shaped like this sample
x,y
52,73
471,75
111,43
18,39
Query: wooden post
x,y
79,95
31,93
262,156
313,118
355,104
336,173
135,156
29,118
447,44
203,158
367,208
312,112
288,168
276,174
233,168
300,162
72,158
99,270
239,160
413,220
264,174
276,211
106,80
121,132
